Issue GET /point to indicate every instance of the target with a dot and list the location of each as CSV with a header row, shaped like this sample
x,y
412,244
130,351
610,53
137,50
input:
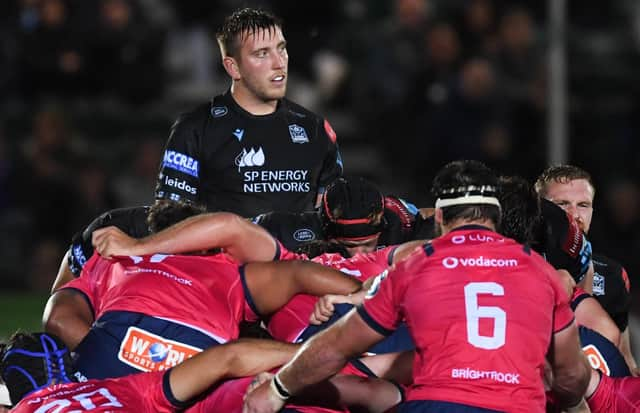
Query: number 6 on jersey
x,y
474,312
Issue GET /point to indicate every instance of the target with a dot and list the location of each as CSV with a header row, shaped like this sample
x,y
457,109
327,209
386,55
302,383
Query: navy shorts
x,y
603,355
121,343
399,340
432,406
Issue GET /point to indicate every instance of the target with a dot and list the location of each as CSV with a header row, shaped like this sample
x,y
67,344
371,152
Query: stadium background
x,y
89,89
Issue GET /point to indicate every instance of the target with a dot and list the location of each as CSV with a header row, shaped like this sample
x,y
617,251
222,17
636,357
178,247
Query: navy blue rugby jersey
x,y
224,157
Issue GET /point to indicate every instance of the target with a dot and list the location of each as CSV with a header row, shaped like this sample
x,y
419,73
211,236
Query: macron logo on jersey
x,y
181,162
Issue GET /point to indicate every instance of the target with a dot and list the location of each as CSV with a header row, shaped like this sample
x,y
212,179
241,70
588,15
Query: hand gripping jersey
x,y
142,393
154,311
481,310
224,157
612,289
132,221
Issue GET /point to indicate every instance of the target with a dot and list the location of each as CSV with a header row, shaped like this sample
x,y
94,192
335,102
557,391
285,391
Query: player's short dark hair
x,y
561,174
164,213
463,179
242,23
520,209
352,208
32,361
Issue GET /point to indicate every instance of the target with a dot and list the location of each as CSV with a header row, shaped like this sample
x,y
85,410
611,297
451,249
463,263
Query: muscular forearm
x,y
315,279
313,364
253,356
244,357
241,239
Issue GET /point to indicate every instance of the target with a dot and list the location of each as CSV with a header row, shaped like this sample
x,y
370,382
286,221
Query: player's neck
x,y
251,103
446,228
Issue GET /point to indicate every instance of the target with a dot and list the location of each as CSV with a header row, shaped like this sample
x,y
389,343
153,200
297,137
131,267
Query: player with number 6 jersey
x,y
484,312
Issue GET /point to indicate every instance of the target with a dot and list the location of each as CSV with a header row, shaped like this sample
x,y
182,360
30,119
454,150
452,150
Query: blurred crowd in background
x,y
89,90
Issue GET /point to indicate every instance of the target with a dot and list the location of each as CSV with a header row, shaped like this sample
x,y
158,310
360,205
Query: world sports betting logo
x,y
148,352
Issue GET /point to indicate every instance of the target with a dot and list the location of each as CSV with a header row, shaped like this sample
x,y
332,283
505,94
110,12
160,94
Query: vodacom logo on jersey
x,y
250,158
453,262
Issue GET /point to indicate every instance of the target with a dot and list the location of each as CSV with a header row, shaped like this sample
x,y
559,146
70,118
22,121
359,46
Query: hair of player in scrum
x,y
240,25
463,178
561,174
520,209
164,213
32,361
352,207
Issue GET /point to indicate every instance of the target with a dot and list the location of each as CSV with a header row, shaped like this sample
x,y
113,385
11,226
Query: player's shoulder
x,y
298,111
195,115
610,269
606,264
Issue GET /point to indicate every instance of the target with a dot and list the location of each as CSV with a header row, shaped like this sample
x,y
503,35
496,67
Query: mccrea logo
x,y
251,158
298,134
181,162
149,352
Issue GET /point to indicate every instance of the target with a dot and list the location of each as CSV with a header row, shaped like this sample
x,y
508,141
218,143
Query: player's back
x,y
480,309
204,292
140,393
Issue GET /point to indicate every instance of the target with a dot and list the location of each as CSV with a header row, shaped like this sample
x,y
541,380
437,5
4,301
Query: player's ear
x,y
438,216
231,66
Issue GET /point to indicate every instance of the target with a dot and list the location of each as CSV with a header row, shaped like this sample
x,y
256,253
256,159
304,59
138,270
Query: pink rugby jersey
x,y
134,393
202,292
481,310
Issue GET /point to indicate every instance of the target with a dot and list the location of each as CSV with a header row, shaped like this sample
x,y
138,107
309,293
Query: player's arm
x,y
68,315
319,358
241,239
240,358
181,160
368,394
571,370
589,313
273,284
64,273
625,349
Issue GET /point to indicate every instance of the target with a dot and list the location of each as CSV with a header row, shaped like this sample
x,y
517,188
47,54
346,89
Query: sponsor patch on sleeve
x,y
181,162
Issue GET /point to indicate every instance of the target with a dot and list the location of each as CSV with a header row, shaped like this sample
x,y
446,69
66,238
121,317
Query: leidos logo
x,y
149,352
453,262
251,158
180,184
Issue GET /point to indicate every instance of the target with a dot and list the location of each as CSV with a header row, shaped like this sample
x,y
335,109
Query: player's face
x,y
360,247
263,64
575,197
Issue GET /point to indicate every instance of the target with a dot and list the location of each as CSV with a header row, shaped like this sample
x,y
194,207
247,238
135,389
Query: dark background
x,y
89,89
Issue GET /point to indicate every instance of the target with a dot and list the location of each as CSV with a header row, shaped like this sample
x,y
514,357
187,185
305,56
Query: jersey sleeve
x,y
380,309
332,165
621,317
86,283
179,177
155,391
80,251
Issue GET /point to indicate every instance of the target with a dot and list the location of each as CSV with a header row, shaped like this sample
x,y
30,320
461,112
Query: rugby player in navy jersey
x,y
250,150
572,189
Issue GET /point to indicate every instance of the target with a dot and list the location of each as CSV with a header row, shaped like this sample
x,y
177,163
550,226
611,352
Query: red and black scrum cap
x,y
352,209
